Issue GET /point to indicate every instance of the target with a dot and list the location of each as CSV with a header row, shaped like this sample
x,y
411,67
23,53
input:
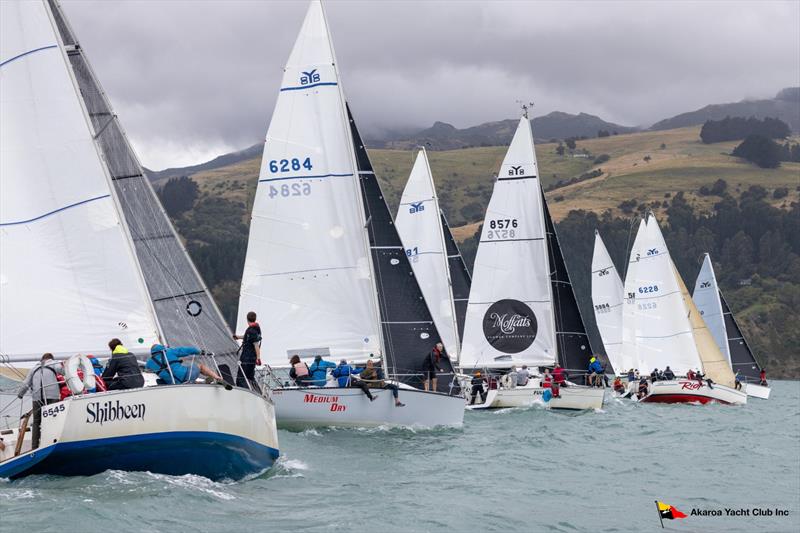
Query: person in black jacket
x,y
122,370
250,353
432,364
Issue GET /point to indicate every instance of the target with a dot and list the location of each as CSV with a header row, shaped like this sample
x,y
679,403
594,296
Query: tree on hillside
x,y
736,128
760,150
178,195
560,149
570,143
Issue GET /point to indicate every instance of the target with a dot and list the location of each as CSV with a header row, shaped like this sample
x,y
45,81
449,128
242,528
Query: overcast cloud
x,y
192,80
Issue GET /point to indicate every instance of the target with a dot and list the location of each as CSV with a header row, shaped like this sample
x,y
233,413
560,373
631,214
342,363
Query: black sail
x,y
572,342
408,329
742,359
459,277
184,308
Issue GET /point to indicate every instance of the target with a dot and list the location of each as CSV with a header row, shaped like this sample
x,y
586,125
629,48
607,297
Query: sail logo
x,y
509,326
516,171
705,285
652,251
416,207
309,77
100,413
603,272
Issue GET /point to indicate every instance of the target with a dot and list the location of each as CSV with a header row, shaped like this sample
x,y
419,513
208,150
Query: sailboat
x,y
522,309
325,269
666,329
607,300
434,255
726,332
87,254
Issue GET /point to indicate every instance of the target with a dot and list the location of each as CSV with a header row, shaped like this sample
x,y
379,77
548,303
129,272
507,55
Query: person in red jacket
x,y
559,377
763,377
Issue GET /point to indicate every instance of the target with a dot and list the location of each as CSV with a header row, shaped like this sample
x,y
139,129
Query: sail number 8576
x,y
503,228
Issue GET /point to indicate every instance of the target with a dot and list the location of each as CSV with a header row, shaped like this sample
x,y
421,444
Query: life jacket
x,y
547,382
558,375
300,370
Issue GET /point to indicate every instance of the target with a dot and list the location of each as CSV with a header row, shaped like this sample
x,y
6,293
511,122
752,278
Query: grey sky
x,y
192,80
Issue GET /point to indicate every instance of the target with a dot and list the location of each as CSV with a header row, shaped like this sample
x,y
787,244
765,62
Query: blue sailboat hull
x,y
213,455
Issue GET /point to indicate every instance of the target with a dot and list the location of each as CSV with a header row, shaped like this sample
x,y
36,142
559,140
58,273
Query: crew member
x,y
523,375
343,373
477,388
250,353
370,376
559,378
669,375
122,370
433,364
299,371
42,381
167,363
762,376
319,371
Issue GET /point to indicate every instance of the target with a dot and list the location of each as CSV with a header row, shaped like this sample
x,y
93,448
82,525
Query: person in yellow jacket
x,y
122,370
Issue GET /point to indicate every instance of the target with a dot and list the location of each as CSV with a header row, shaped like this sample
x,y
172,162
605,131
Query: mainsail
x,y
65,257
325,269
607,300
706,298
663,332
628,350
722,324
459,276
572,342
185,311
510,311
308,270
419,223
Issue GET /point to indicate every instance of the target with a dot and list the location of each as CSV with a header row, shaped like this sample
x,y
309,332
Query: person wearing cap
x,y
319,371
344,372
477,388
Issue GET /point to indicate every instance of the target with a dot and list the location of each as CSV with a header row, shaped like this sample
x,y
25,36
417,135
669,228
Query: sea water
x,y
507,470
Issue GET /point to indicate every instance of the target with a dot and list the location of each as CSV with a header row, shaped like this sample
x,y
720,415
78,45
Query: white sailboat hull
x,y
574,397
308,407
693,391
757,391
180,429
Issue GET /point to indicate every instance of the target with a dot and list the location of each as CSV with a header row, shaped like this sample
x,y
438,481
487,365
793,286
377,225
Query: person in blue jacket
x,y
595,372
167,363
343,373
319,371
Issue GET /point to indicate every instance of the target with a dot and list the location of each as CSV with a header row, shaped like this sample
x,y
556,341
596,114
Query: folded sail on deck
x,y
68,278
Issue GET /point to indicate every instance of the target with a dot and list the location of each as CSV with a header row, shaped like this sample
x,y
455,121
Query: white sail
x,y
307,272
419,224
607,300
664,335
510,310
69,281
706,298
628,352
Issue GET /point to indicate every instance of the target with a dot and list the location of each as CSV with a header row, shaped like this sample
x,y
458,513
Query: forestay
x,y
510,310
663,332
607,301
628,350
185,311
68,278
307,272
419,225
706,298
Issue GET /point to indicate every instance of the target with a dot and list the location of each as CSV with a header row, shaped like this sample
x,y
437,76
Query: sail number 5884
x,y
285,165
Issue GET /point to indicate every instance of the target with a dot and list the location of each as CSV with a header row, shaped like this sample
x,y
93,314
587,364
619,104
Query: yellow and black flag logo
x,y
667,511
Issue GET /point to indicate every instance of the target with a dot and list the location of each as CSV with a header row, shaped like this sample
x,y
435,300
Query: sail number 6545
x,y
286,165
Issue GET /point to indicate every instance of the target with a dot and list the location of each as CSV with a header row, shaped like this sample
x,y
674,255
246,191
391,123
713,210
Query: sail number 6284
x,y
286,165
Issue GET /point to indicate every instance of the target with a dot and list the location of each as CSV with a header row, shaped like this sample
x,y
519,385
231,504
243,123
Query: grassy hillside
x,y
645,169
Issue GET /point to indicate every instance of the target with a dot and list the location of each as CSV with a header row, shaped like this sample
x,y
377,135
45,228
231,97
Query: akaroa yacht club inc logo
x,y
509,326
669,512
